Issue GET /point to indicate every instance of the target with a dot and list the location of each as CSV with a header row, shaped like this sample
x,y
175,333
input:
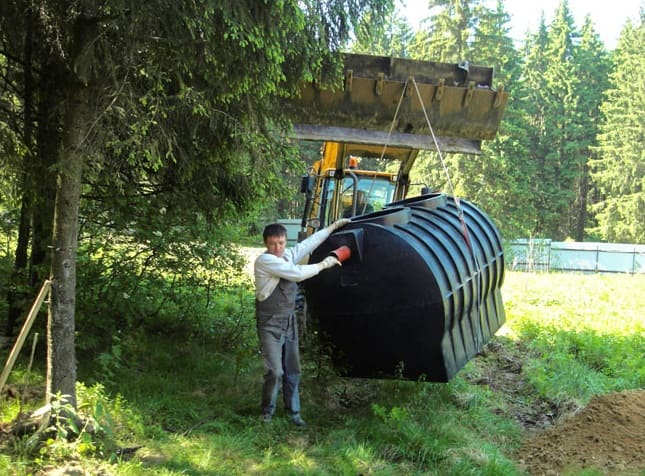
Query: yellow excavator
x,y
387,110
419,294
339,186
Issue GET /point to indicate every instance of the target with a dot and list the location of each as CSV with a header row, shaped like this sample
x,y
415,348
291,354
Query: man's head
x,y
275,239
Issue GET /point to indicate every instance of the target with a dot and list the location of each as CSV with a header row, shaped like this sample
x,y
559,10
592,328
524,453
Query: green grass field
x,y
183,408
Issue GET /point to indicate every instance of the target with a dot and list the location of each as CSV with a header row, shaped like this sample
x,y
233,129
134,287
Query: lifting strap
x,y
460,213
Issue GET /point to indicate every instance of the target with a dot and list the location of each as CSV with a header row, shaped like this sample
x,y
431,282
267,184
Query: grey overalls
x,y
278,333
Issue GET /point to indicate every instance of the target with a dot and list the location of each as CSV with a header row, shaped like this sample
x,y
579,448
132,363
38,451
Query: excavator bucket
x,y
402,102
419,294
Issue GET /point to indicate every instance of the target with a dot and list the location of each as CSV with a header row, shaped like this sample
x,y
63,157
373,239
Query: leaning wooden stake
x,y
33,312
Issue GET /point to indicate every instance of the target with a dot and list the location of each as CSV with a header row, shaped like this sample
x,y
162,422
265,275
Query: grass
x,y
587,331
186,409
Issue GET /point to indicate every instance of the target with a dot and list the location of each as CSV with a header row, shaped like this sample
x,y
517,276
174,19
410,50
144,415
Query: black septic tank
x,y
418,297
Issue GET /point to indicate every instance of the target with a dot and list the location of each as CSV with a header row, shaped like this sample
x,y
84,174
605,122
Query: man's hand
x,y
328,262
339,224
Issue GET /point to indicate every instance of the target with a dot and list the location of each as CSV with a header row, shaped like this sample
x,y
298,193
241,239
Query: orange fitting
x,y
342,253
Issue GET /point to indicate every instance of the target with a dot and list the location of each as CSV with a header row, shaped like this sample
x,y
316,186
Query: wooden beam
x,y
33,312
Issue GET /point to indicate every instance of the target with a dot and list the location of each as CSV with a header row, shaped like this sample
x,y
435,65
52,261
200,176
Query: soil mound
x,y
607,435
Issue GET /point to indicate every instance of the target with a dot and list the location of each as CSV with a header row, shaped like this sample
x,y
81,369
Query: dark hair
x,y
275,229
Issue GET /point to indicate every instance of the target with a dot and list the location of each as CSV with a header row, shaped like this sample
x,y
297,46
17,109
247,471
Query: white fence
x,y
547,255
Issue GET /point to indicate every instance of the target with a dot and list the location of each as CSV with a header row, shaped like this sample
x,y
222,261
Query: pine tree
x,y
171,105
619,169
498,180
556,137
560,94
447,34
592,67
389,39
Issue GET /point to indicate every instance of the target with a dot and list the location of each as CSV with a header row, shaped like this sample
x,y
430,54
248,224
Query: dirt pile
x,y
607,435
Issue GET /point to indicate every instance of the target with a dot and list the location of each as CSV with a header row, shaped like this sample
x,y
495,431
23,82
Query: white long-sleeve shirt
x,y
268,268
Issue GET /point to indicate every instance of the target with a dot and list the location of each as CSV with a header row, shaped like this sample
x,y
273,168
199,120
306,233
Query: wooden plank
x,y
33,312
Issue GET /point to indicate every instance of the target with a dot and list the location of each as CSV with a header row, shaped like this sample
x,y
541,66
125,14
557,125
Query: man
x,y
363,207
276,273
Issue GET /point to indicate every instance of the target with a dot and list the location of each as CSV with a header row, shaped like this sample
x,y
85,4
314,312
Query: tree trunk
x,y
16,294
581,202
43,182
61,360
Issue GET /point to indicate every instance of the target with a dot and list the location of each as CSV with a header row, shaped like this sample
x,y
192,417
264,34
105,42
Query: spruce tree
x,y
592,67
391,38
619,168
498,180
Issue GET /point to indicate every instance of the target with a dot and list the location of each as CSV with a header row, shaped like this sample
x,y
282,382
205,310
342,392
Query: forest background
x,y
142,143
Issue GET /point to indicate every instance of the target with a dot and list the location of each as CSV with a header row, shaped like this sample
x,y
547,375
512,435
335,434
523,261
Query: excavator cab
x,y
340,185
357,201
354,194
